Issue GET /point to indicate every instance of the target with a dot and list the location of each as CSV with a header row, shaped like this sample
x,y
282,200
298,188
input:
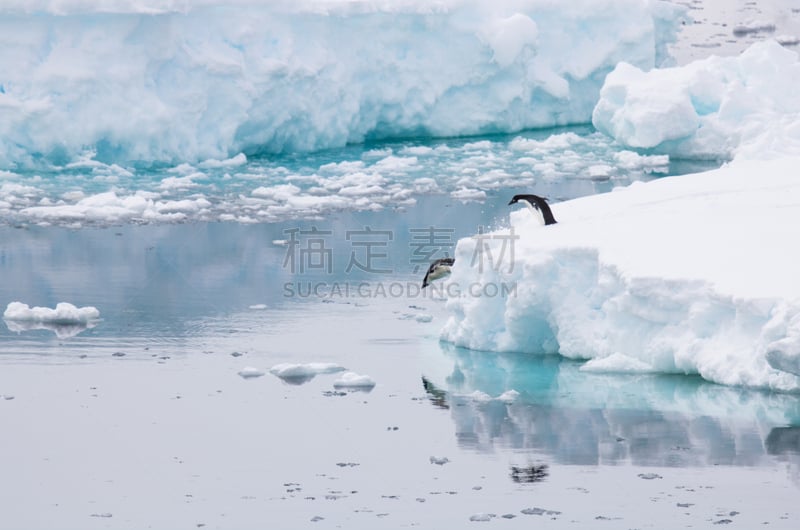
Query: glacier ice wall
x,y
719,107
181,80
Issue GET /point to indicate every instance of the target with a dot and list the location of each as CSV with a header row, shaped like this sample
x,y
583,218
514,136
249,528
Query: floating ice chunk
x,y
439,460
280,192
64,313
257,306
649,163
298,374
617,362
249,372
468,194
178,183
509,396
482,517
354,380
424,318
65,320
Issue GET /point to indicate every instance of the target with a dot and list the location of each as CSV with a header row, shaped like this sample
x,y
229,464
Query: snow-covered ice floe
x,y
691,274
354,381
249,372
65,320
297,374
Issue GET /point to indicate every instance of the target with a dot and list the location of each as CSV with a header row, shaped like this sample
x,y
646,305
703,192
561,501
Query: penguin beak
x,y
512,201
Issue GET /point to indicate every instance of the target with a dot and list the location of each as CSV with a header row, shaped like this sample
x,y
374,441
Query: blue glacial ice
x,y
186,81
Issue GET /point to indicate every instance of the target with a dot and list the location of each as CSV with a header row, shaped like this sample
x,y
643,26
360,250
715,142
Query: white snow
x,y
64,313
304,370
690,274
66,320
198,80
354,380
719,107
249,372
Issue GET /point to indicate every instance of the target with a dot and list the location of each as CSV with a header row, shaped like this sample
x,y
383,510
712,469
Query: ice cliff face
x,y
172,81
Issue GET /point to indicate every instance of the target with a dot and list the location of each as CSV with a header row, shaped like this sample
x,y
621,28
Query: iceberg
x,y
164,81
693,275
718,107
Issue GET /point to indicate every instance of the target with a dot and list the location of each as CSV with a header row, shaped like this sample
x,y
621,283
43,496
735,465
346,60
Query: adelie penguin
x,y
539,203
438,269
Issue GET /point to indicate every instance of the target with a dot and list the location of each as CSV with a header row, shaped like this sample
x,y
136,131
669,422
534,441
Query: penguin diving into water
x,y
536,204
438,269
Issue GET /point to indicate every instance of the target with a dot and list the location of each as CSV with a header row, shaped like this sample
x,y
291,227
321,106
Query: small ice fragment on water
x,y
104,515
64,313
439,460
480,397
280,242
723,521
649,476
317,518
289,370
508,396
482,517
508,516
354,380
424,318
248,372
8,397
258,306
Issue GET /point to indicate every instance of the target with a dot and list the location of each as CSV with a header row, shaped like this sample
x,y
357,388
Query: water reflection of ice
x,y
62,330
573,417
